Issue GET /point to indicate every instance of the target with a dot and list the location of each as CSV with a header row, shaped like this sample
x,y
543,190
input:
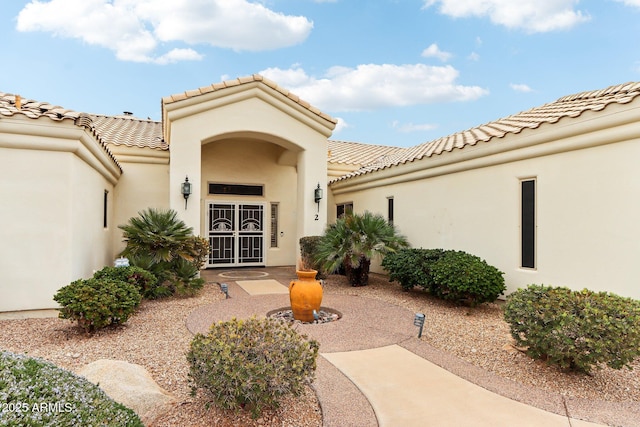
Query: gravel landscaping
x,y
156,338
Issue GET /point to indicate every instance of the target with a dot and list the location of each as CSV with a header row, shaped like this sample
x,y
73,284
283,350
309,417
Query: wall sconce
x,y
186,190
317,195
418,320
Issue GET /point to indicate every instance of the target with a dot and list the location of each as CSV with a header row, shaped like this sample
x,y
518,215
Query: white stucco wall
x,y
588,235
144,184
53,176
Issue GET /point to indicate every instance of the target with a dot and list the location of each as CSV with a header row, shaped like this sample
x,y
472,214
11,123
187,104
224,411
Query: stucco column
x,y
312,169
185,162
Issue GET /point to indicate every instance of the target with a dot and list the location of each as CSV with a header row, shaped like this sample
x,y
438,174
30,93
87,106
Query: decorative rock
x,y
130,385
324,316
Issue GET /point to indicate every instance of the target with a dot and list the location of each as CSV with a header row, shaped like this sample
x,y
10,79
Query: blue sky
x,y
394,72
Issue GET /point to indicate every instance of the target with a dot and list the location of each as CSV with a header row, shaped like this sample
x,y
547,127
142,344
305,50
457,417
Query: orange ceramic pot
x,y
305,295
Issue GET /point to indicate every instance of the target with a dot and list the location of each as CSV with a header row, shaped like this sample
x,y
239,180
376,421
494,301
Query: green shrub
x,y
459,276
575,330
159,242
308,250
251,363
96,303
184,279
412,267
37,393
144,281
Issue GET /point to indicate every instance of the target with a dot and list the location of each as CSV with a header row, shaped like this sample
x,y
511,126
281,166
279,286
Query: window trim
x,y
273,222
344,207
528,223
105,209
390,210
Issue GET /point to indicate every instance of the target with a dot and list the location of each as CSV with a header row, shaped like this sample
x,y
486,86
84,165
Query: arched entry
x,y
248,132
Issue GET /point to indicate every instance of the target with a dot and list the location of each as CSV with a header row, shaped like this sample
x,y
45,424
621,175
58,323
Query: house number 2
x,y
317,219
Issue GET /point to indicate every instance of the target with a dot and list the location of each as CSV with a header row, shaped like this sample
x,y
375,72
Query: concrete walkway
x,y
374,371
407,390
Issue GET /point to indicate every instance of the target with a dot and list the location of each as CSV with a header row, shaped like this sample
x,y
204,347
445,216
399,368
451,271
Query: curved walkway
x,y
373,369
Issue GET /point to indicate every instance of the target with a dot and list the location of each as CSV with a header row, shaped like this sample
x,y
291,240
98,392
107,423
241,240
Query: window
x,y
236,189
528,223
390,210
274,225
344,209
105,209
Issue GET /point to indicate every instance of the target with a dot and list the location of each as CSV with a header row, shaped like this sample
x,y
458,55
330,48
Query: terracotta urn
x,y
305,295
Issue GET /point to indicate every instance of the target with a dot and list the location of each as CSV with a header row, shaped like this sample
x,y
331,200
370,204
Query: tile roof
x,y
130,131
33,109
241,81
567,106
356,153
11,105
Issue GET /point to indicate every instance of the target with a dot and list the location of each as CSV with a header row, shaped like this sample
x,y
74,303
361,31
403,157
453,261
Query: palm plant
x,y
158,234
353,241
160,242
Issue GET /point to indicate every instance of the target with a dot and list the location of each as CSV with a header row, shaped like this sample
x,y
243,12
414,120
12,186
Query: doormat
x,y
263,287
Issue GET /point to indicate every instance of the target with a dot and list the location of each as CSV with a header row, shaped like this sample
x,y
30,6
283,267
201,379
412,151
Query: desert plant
x,y
251,363
26,384
462,277
353,241
156,233
158,241
96,303
144,281
412,267
185,280
308,250
575,330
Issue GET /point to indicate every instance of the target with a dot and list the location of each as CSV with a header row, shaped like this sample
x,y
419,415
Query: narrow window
x,y
274,225
344,209
390,210
105,209
528,223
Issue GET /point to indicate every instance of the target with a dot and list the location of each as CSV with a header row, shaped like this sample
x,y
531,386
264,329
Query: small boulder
x,y
130,385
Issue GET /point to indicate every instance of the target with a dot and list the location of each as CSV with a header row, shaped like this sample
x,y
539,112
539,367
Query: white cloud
x,y
536,16
373,86
434,51
177,55
134,29
411,127
473,56
634,3
342,124
520,87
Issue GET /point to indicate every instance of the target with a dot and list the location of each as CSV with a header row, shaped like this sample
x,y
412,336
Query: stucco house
x,y
546,195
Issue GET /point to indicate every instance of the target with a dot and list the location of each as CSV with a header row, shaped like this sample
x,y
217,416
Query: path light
x,y
185,189
225,288
418,320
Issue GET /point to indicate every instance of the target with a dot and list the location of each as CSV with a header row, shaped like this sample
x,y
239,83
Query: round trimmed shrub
x,y
412,267
37,393
144,281
463,277
575,330
251,364
96,303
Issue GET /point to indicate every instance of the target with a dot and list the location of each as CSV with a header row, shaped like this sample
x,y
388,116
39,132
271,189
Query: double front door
x,y
236,234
